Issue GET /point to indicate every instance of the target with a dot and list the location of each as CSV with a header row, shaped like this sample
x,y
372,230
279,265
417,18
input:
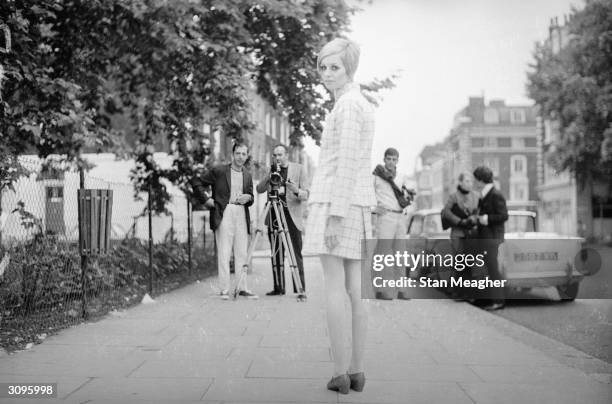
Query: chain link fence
x,y
46,285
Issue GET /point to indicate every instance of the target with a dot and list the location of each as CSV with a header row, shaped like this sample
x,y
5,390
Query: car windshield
x,y
432,224
520,224
416,225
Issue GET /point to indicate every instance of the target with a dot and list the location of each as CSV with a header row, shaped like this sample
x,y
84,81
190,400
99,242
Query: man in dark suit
x,y
232,194
492,214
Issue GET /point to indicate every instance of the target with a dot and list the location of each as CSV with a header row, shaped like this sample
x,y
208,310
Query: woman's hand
x,y
332,231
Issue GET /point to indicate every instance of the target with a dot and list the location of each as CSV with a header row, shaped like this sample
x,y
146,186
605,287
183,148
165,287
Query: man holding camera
x,y
392,196
289,181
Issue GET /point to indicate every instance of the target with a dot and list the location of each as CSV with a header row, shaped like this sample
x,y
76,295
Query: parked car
x,y
527,258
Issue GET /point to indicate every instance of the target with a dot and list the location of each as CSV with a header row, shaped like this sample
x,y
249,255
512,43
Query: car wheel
x,y
568,292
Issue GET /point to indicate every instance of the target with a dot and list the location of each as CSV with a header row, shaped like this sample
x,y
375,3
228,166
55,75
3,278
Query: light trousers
x,y
391,228
391,225
232,235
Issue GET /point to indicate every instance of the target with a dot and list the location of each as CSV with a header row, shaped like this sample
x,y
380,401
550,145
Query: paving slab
x,y
168,368
255,390
278,354
133,389
92,367
395,392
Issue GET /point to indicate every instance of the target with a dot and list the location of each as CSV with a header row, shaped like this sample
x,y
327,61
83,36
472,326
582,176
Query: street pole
x,y
189,235
150,244
204,232
83,255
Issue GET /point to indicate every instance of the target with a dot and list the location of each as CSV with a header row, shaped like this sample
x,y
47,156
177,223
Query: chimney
x,y
476,102
497,103
475,109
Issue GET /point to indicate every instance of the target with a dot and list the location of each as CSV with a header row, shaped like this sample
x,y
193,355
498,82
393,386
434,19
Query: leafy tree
x,y
54,78
219,49
168,65
574,88
47,89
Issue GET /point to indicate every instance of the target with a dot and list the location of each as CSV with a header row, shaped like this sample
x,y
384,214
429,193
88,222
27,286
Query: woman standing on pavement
x,y
460,213
340,207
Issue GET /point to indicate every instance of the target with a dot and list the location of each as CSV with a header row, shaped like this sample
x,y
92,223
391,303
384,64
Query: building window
x,y
504,142
478,142
547,131
491,116
217,144
493,164
517,116
273,131
518,166
287,133
284,133
267,127
262,112
519,192
531,142
601,207
551,132
425,181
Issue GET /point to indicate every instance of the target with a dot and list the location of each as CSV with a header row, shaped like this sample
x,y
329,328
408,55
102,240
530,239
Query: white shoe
x,y
224,295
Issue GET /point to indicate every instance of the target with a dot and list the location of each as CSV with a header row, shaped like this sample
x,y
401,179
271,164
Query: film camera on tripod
x,y
276,181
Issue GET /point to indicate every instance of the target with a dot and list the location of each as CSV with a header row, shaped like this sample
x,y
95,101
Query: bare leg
x,y
352,270
333,273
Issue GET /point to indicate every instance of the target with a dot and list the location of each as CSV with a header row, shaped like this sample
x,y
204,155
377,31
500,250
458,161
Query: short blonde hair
x,y
349,54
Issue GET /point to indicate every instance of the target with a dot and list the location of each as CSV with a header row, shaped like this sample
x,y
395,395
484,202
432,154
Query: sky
x,y
447,51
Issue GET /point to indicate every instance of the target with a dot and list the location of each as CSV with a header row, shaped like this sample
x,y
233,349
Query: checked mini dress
x,y
342,184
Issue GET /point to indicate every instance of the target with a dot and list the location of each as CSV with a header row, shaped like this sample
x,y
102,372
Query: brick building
x,y
502,137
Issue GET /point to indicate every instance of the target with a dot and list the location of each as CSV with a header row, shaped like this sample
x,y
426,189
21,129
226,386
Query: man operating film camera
x,y
287,183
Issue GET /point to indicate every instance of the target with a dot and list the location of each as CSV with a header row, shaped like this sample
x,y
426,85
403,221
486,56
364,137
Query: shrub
x,y
40,290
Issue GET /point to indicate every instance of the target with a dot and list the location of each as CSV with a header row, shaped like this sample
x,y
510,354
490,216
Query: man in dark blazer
x,y
232,194
492,214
